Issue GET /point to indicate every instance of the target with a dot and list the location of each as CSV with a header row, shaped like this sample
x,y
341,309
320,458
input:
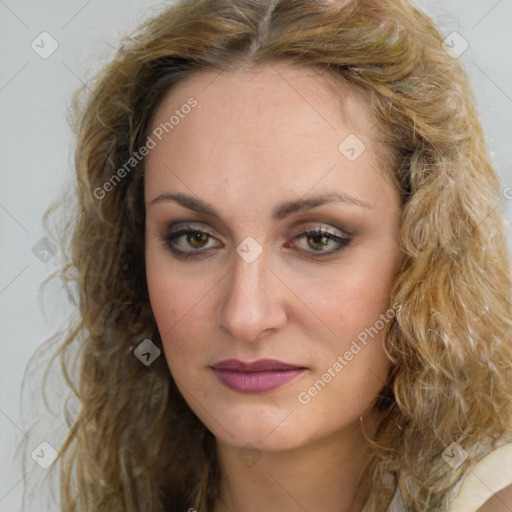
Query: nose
x,y
252,301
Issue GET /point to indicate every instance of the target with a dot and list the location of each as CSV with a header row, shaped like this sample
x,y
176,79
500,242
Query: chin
x,y
260,430
252,439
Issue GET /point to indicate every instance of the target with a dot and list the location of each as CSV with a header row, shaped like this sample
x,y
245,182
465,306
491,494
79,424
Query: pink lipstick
x,y
256,377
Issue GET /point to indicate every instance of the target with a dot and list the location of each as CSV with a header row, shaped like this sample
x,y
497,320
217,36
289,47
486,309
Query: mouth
x,y
256,377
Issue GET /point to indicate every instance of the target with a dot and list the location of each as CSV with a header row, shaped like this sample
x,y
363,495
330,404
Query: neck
x,y
327,475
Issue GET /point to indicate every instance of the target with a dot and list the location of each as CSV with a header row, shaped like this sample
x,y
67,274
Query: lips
x,y
256,377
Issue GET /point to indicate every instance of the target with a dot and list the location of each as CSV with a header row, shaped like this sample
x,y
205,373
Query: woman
x,y
294,281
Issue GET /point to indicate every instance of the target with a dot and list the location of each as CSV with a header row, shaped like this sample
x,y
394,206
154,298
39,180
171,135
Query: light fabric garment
x,y
488,476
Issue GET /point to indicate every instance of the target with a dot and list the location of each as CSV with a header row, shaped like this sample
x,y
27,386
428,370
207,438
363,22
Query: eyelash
x,y
170,238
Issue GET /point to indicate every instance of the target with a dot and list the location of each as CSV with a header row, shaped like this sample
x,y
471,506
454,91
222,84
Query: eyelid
x,y
180,229
182,226
336,234
299,230
303,228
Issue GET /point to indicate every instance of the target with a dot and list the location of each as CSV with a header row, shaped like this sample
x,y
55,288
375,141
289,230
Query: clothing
x,y
488,476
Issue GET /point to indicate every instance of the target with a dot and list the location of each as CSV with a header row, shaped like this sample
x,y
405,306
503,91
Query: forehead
x,y
267,94
267,127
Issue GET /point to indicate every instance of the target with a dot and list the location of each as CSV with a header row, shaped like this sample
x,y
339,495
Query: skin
x,y
258,138
500,502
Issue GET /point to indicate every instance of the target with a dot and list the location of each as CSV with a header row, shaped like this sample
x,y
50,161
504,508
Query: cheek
x,y
353,299
169,306
162,296
356,307
178,301
172,291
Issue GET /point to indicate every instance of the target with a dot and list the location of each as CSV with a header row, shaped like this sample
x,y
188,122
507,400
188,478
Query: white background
x,y
36,158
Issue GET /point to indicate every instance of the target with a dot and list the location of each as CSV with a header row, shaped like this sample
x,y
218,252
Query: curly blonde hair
x,y
135,444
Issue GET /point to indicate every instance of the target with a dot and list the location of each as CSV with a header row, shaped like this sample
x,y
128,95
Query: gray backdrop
x,y
48,48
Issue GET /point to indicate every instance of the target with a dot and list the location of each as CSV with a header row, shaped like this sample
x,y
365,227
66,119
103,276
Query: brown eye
x,y
318,242
197,239
189,241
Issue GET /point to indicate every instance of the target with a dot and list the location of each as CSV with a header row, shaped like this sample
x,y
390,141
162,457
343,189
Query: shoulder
x,y
499,502
487,487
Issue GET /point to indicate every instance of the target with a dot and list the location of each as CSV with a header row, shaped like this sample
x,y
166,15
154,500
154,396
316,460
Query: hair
x,y
134,444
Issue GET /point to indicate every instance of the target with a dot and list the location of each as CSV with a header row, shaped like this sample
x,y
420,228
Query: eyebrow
x,y
280,212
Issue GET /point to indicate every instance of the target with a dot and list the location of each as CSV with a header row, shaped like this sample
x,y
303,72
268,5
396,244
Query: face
x,y
271,249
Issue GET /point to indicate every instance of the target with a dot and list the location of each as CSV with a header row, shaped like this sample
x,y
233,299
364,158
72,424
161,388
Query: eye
x,y
321,240
185,240
189,241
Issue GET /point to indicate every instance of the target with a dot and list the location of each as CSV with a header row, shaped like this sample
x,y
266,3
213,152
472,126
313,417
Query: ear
x,y
499,502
